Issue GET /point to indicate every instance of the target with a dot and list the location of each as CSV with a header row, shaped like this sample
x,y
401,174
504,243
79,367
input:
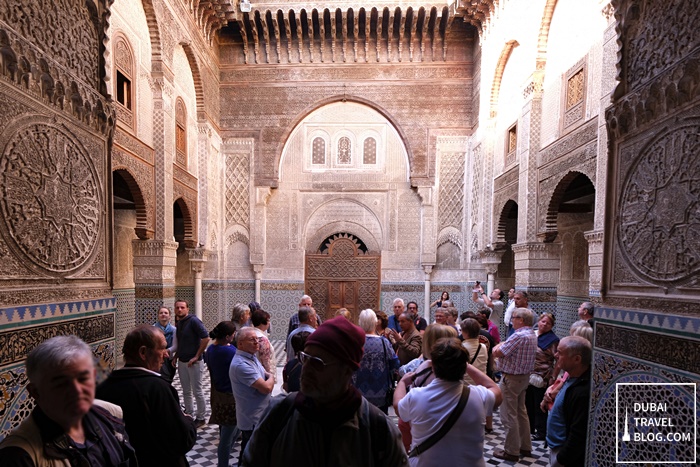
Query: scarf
x,y
333,414
547,339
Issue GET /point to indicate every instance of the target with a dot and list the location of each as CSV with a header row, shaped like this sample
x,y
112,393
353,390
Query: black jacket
x,y
158,430
573,452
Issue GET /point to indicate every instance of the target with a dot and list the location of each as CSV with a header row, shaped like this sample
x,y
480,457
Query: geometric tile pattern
x,y
126,313
566,314
21,314
685,325
610,369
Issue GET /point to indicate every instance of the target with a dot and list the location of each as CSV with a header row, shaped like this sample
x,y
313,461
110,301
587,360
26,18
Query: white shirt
x,y
428,408
509,313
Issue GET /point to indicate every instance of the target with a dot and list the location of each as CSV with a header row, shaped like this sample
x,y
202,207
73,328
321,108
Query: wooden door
x,y
343,294
342,276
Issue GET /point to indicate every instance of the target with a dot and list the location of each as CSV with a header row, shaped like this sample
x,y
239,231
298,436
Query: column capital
x,y
490,259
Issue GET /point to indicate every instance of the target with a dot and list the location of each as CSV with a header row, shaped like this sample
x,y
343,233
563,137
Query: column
x,y
427,270
154,277
490,259
197,258
257,269
595,262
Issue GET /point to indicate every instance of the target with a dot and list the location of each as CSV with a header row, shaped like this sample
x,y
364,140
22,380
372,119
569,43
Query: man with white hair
x,y
516,360
567,424
399,307
294,319
68,426
250,383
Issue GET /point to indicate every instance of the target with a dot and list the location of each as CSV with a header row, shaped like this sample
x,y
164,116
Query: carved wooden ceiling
x,y
294,32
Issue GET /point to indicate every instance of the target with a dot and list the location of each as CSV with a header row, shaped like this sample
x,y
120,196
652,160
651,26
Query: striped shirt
x,y
519,352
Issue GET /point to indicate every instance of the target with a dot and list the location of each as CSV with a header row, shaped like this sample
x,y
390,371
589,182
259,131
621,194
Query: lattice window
x,y
181,132
511,144
451,192
574,90
124,88
237,185
370,151
318,151
344,150
574,96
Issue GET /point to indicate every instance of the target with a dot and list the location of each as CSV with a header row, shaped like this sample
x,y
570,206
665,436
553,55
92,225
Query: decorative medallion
x,y
659,211
50,198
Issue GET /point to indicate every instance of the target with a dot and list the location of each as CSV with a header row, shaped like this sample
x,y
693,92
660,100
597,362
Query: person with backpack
x,y
327,422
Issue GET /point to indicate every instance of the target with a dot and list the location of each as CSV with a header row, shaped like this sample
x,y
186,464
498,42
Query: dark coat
x,y
573,452
158,429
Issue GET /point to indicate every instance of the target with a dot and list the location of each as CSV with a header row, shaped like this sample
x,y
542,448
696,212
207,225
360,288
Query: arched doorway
x,y
506,238
343,273
570,215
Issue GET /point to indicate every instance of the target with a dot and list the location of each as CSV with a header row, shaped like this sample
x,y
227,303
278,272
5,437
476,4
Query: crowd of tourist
x,y
444,381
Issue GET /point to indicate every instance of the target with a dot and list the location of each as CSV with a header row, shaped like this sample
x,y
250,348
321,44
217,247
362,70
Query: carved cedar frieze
x,y
51,197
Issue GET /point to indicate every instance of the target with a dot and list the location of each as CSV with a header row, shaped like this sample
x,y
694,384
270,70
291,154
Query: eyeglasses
x,y
313,361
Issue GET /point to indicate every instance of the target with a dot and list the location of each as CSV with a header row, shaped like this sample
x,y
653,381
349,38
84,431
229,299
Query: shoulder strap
x,y
476,354
437,436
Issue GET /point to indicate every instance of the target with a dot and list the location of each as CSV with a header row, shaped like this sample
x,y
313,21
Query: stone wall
x,y
647,326
55,126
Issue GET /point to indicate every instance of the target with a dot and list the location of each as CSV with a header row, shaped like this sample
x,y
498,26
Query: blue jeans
x,y
227,436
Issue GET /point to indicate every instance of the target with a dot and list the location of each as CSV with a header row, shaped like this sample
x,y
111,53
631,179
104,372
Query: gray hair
x,y
368,320
582,328
398,300
526,314
56,352
238,310
589,307
578,345
241,333
578,324
304,314
305,297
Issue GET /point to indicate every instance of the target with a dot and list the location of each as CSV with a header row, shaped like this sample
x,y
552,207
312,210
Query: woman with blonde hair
x,y
542,376
375,377
240,314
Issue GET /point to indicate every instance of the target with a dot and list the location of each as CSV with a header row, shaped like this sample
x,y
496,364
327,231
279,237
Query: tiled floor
x,y
204,452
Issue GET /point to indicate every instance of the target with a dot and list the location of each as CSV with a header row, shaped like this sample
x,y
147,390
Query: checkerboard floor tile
x,y
204,452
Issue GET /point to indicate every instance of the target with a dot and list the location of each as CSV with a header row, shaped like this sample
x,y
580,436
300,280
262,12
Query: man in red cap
x,y
328,408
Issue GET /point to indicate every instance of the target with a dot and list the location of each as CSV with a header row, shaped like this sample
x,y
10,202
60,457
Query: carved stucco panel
x,y
658,235
52,196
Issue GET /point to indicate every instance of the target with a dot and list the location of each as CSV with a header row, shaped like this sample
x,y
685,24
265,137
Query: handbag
x,y
451,420
389,396
537,381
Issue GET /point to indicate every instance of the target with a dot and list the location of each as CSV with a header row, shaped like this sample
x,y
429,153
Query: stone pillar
x,y
595,262
490,259
428,230
257,269
427,270
537,272
197,259
164,147
258,229
154,277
